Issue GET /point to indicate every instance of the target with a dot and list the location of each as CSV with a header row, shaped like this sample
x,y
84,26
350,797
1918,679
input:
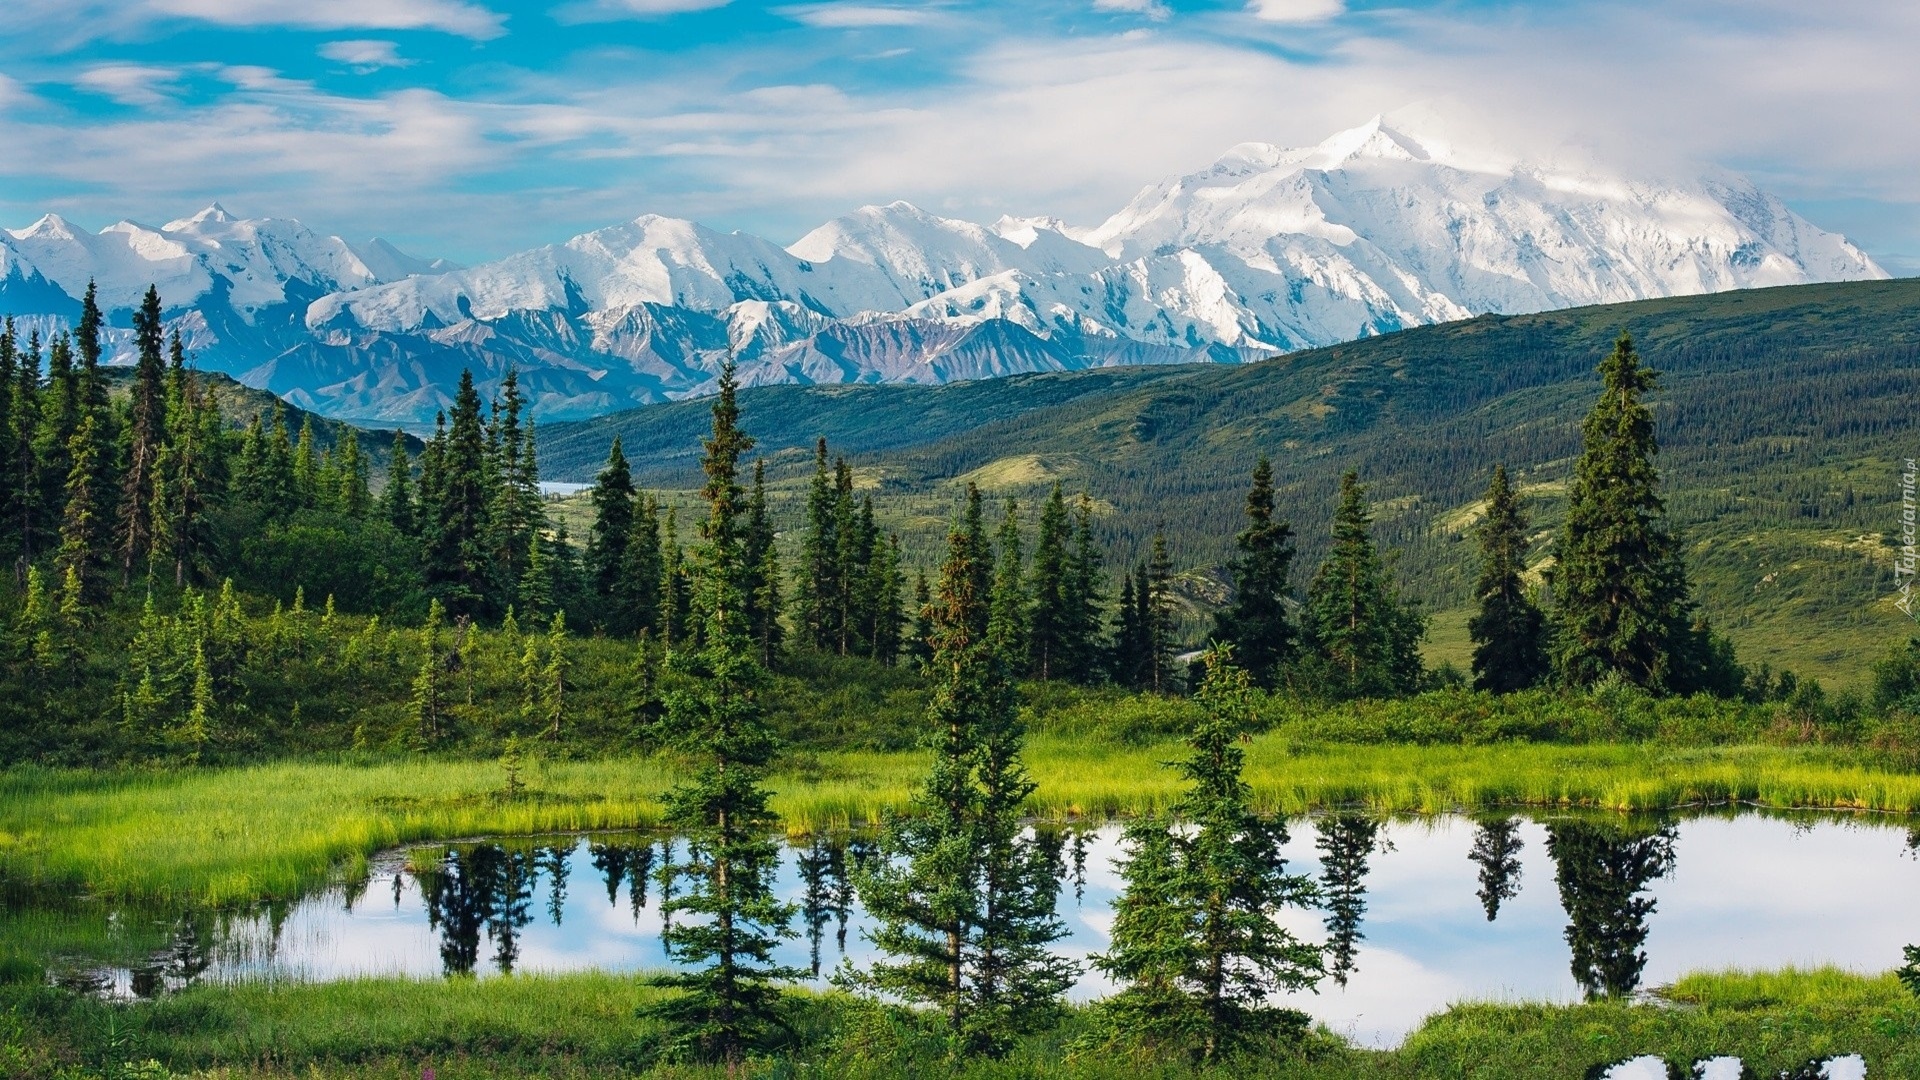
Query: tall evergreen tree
x,y
608,539
1196,941
962,903
1161,612
645,572
1508,631
1086,595
728,1000
62,404
763,571
396,499
1257,621
816,586
1050,615
83,553
1366,638
146,429
1007,615
9,475
27,511
1621,598
186,482
457,564
676,589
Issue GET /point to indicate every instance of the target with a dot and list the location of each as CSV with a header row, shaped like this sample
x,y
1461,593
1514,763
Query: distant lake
x,y
1422,912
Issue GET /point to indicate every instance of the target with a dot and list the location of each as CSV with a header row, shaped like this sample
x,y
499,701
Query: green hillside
x,y
1783,415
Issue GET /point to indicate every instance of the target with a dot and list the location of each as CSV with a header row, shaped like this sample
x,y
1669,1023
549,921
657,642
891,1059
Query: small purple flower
x,y
426,1073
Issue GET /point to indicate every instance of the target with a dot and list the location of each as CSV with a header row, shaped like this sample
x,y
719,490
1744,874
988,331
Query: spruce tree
x,y
1508,631
645,571
307,493
1196,939
458,568
763,571
1161,611
1366,639
396,499
1620,593
1050,615
962,903
1086,596
82,556
1007,615
146,428
61,406
724,917
28,510
608,539
676,590
185,480
9,478
1257,621
816,585
920,643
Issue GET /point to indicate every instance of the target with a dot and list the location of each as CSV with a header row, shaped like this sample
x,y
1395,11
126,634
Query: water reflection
x,y
1345,842
1417,913
1496,851
1603,871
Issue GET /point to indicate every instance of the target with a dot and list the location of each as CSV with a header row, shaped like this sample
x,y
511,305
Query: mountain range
x,y
1266,251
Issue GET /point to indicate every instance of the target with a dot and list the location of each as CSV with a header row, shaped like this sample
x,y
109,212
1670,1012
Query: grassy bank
x,y
586,1025
220,835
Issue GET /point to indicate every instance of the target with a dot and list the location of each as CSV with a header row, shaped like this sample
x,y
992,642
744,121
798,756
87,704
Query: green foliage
x,y
1603,870
1196,942
963,902
1257,622
1363,637
1509,630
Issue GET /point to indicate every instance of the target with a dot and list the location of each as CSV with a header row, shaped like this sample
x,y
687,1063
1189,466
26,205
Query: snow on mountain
x,y
1268,249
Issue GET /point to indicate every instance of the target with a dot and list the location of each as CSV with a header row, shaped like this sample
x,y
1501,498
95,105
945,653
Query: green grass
x,y
233,835
586,1025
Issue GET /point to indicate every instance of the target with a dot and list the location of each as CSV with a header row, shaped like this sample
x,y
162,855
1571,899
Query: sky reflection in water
x,y
1752,890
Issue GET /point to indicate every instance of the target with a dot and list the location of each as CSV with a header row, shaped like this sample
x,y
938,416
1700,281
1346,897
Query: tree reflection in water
x,y
1603,870
1496,850
1346,842
487,888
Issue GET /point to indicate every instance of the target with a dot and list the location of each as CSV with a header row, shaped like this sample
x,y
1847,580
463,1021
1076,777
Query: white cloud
x,y
1152,9
364,55
131,84
855,16
606,10
1296,11
68,22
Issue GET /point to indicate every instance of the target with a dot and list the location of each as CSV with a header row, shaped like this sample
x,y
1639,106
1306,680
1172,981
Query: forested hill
x,y
240,403
1782,415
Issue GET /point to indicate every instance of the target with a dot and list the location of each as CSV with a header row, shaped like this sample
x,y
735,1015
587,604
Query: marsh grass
x,y
219,836
587,1025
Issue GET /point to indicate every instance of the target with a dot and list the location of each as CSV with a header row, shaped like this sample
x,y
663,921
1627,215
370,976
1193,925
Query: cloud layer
x,y
469,131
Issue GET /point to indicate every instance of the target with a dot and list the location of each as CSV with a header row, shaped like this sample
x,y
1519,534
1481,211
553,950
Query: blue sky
x,y
472,128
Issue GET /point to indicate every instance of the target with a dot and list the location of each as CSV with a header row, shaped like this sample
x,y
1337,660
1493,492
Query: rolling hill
x,y
1782,413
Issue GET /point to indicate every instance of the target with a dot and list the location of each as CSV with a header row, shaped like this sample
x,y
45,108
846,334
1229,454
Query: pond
x,y
1418,913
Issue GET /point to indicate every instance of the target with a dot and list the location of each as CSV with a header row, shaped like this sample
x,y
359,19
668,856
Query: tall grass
x,y
234,835
586,1024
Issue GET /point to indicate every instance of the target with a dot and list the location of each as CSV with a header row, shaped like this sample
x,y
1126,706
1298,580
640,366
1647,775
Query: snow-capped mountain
x,y
1265,251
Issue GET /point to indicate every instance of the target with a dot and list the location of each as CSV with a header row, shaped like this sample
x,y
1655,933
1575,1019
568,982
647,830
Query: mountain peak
x,y
1371,140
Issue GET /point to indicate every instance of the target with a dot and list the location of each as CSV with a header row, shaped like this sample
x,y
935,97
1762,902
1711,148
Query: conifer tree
x,y
553,675
1257,621
1160,611
1621,599
27,510
186,481
1087,595
396,500
9,477
431,690
1050,615
850,561
676,599
146,428
354,496
816,586
307,485
645,572
962,903
83,553
1508,631
920,647
457,564
61,406
729,998
1366,639
887,618
763,571
608,539
1128,661
1007,615
1196,939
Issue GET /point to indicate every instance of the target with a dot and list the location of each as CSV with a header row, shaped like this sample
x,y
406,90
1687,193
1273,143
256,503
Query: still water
x,y
1417,913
